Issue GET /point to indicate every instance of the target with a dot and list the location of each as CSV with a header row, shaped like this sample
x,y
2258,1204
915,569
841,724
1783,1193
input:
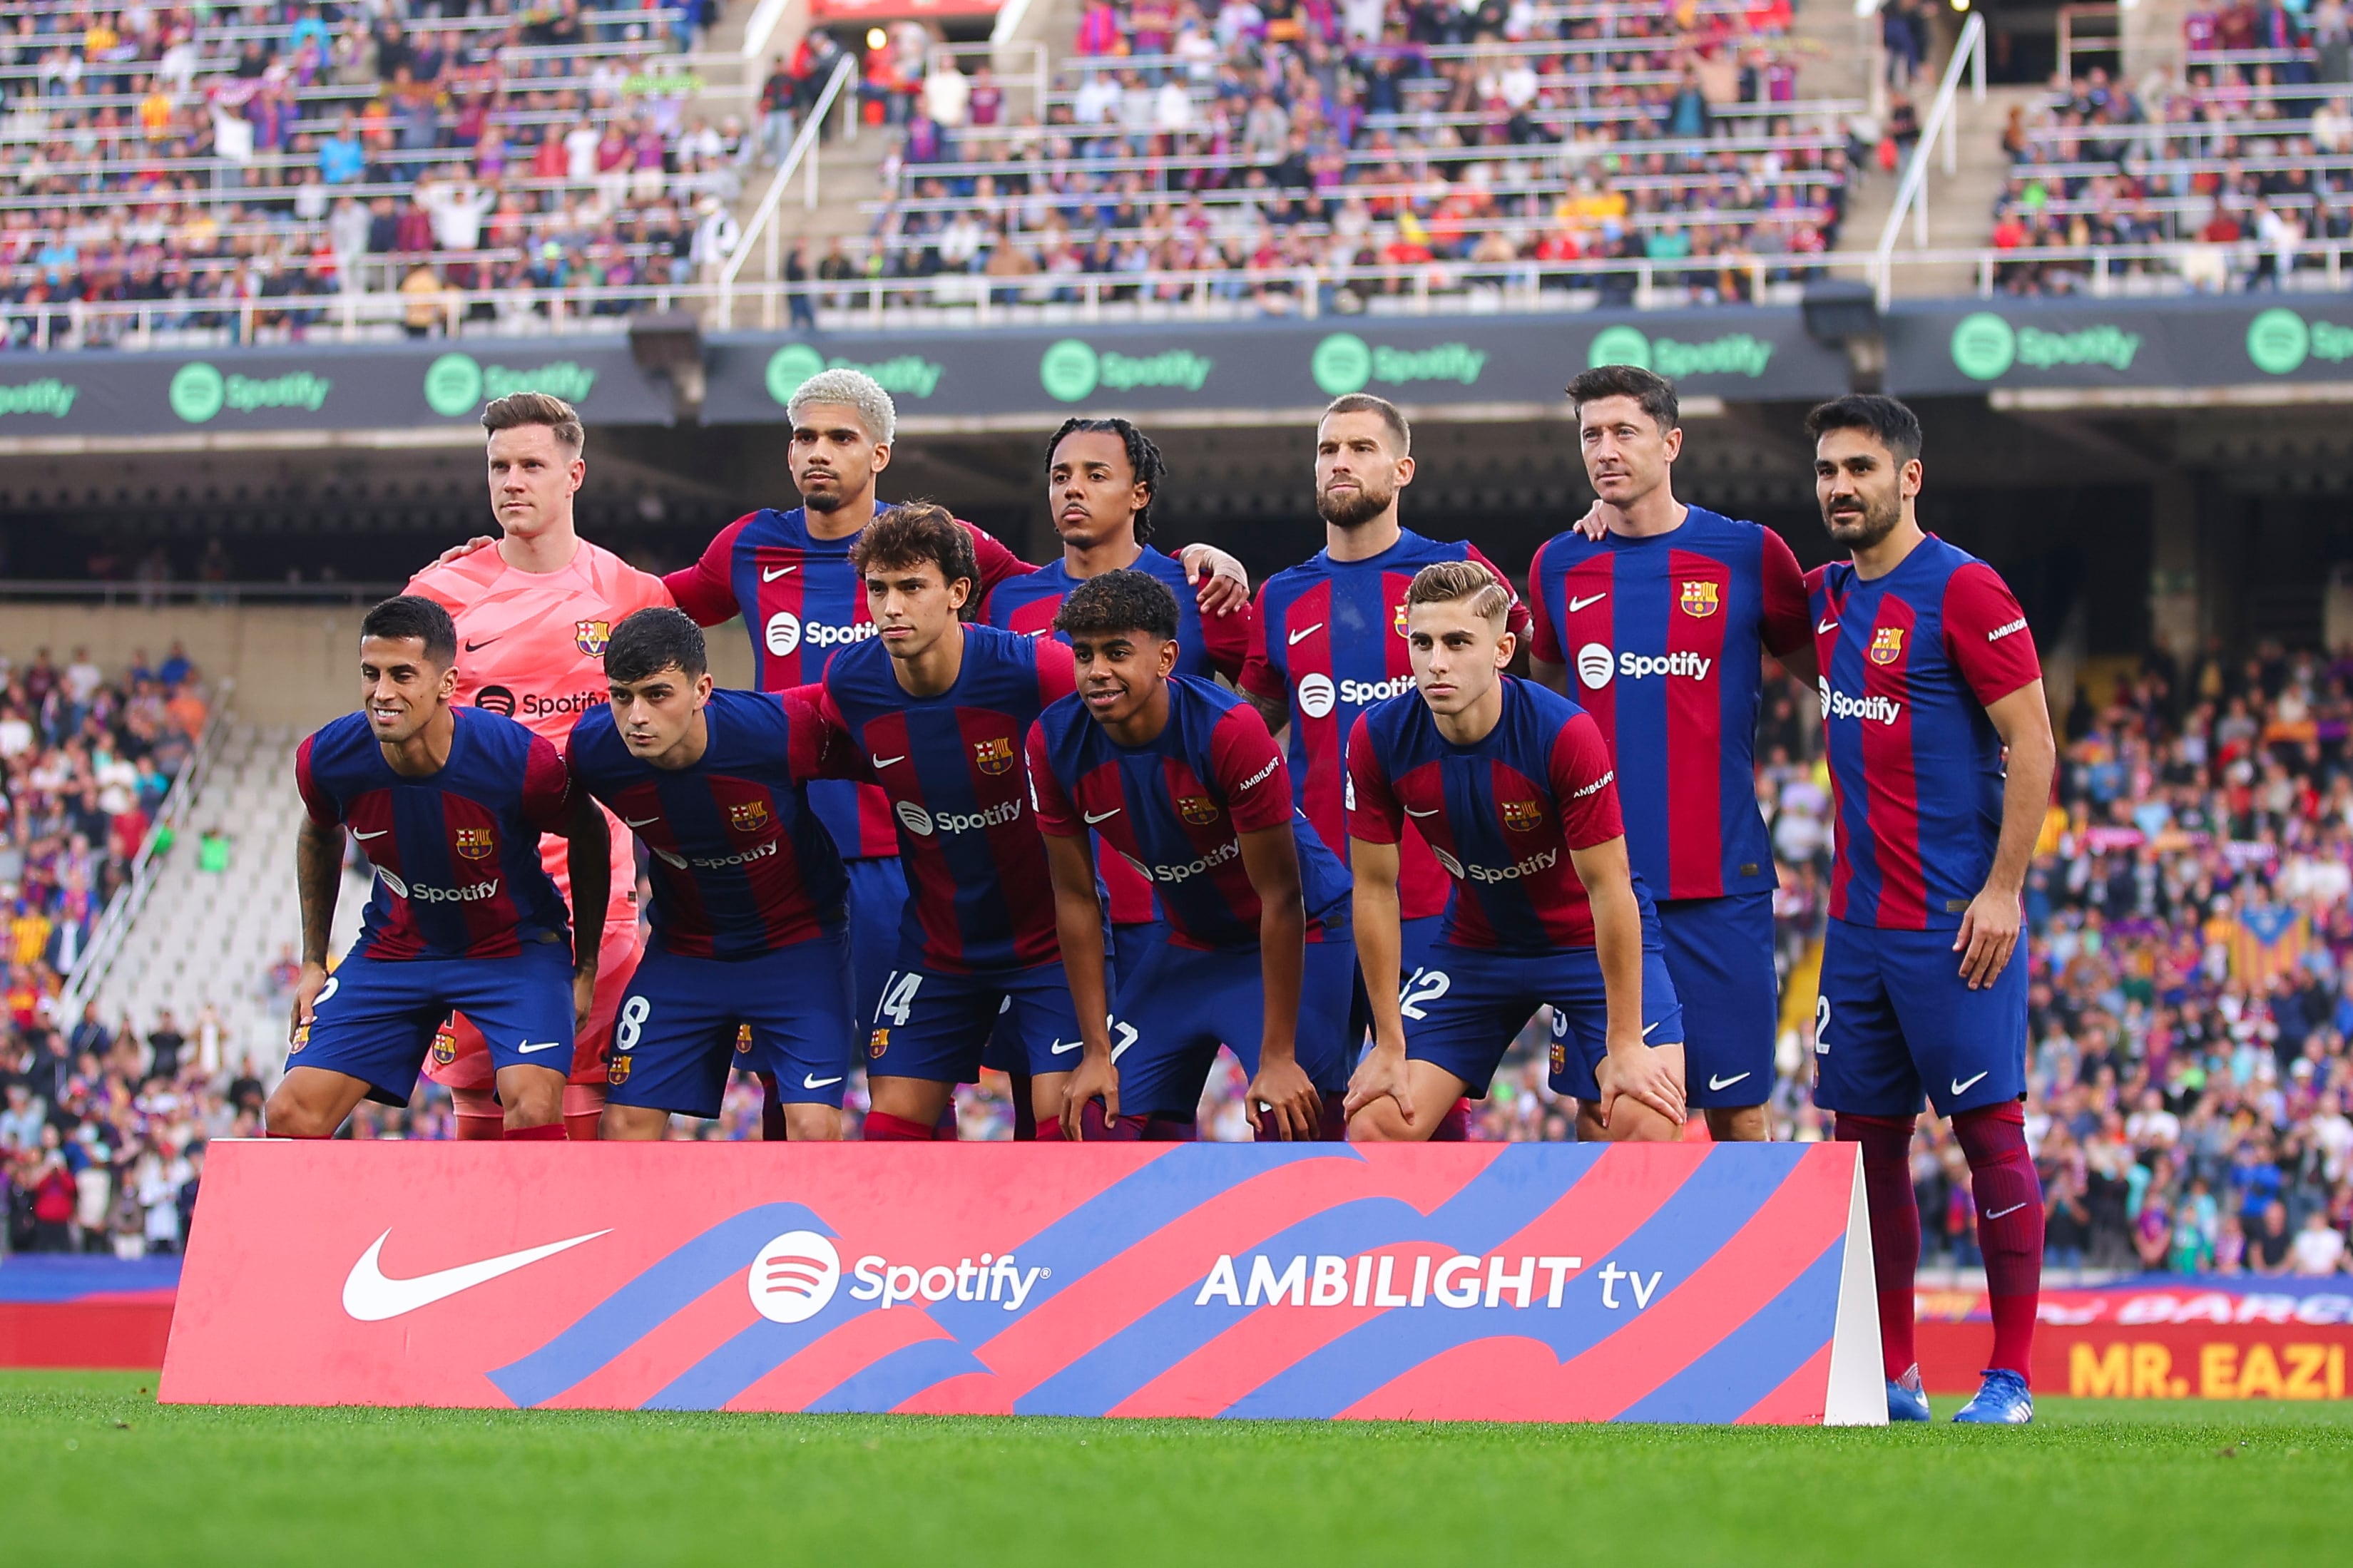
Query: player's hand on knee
x,y
1382,1073
459,552
1989,931
1645,1076
1287,1095
1594,524
313,980
1095,1078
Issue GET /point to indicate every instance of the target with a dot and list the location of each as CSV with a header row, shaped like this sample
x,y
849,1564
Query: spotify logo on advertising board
x,y
2280,341
1983,346
199,391
1344,362
1072,369
907,376
1986,346
1734,353
456,384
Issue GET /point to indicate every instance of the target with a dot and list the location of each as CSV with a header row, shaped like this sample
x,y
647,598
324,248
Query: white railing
x,y
762,27
114,926
1943,122
765,226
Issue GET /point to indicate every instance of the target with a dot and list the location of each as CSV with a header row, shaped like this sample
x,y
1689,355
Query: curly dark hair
x,y
1143,460
1122,601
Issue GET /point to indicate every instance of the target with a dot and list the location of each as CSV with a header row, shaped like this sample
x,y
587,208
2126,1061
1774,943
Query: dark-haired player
x,y
747,886
1330,634
1181,781
533,614
449,804
1512,786
1664,612
938,713
1941,756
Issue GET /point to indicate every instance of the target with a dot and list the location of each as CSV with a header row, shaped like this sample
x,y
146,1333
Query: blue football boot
x,y
1905,1402
2003,1400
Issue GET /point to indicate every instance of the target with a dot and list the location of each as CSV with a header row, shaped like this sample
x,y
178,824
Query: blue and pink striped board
x,y
1525,1282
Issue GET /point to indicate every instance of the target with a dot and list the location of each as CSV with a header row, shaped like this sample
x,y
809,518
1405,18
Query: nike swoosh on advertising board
x,y
371,1296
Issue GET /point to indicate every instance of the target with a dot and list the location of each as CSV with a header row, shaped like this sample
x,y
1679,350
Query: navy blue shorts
x,y
375,1018
878,901
1720,953
1181,1003
682,1021
935,1024
1467,1003
1418,937
1896,1020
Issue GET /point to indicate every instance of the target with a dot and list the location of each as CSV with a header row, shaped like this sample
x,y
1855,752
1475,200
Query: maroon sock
x,y
881,1128
1046,1132
1025,1114
1335,1119
1181,1130
2008,1194
1895,1226
947,1130
553,1133
1093,1129
773,1128
1454,1127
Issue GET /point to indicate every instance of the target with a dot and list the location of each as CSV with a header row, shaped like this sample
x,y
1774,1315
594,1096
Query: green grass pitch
x,y
97,1472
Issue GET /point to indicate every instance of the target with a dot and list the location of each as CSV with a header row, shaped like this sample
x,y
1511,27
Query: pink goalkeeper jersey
x,y
531,646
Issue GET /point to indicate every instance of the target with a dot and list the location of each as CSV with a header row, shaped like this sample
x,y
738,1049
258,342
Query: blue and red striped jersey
x,y
1218,645
1331,642
741,864
1910,663
1664,636
956,770
458,873
802,601
1175,810
1501,815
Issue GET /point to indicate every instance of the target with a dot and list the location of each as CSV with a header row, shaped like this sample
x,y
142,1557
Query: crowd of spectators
x,y
240,165
1366,140
100,1128
2244,157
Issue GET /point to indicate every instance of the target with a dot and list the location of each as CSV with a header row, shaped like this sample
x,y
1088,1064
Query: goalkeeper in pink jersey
x,y
533,614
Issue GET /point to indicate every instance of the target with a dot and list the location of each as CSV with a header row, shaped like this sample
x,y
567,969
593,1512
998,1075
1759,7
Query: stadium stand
x,y
2230,168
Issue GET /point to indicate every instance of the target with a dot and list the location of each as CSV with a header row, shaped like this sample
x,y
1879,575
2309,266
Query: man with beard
x,y
1331,642
1940,756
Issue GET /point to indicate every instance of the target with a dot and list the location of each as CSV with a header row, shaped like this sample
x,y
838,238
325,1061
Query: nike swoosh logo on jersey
x,y
1824,627
1059,1049
1433,811
1577,604
1962,1085
527,1048
886,761
1646,1032
1094,817
364,837
768,577
1303,633
640,821
1997,1213
1714,1082
486,642
810,1080
372,1296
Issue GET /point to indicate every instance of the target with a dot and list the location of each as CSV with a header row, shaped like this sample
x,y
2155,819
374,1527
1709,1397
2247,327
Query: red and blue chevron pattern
x,y
1523,1282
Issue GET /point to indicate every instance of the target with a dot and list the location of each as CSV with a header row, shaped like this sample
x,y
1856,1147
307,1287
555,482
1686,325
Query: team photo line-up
x,y
978,813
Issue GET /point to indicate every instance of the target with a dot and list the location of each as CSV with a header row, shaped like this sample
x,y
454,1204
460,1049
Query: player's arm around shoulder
x,y
1787,624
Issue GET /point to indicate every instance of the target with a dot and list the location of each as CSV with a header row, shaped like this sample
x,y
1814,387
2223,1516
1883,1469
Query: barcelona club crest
x,y
475,843
590,636
445,1046
877,1043
994,756
1886,644
1197,809
616,1070
1701,599
743,1039
1399,621
1521,816
748,816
